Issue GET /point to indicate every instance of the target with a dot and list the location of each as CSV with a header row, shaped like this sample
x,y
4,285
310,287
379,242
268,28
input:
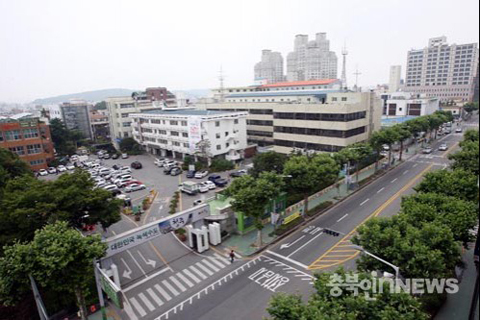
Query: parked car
x,y
115,156
238,174
135,187
214,177
170,163
106,156
132,182
197,202
176,171
221,183
70,166
124,156
427,150
443,147
167,170
52,170
43,172
201,174
191,174
159,162
203,188
210,185
61,168
110,187
136,165
459,130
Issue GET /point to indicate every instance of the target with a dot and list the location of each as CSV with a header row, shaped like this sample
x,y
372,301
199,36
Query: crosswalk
x,y
140,304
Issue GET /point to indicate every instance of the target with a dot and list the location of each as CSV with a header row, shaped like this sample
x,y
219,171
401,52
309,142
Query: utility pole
x,y
344,69
221,78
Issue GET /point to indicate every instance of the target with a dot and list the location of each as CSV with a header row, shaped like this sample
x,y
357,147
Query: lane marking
x,y
138,307
307,243
405,172
178,284
211,266
380,190
288,259
394,180
136,262
128,309
191,275
170,287
198,272
223,259
342,218
201,266
361,204
415,165
163,292
146,301
145,280
160,255
155,297
317,230
184,279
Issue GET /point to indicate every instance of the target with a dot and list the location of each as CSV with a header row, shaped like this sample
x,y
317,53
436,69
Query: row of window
x,y
265,123
37,162
13,135
30,149
308,146
338,117
260,133
321,132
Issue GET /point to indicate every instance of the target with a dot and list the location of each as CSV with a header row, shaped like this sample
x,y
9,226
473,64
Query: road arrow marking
x,y
288,245
150,262
127,273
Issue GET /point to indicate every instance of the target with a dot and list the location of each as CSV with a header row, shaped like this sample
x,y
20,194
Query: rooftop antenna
x,y
221,78
357,74
344,70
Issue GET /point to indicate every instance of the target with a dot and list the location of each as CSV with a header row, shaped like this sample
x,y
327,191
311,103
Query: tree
x,y
29,204
268,162
428,251
418,125
11,166
377,142
470,135
65,141
459,215
130,146
203,148
251,195
310,174
457,183
58,258
221,165
322,305
468,158
102,105
403,132
471,107
354,153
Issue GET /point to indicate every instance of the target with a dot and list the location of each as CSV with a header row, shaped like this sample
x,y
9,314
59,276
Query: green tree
x,y
268,162
11,166
58,258
102,105
322,305
418,125
471,107
29,204
65,141
130,146
428,251
403,132
468,158
459,215
471,135
251,196
310,174
221,165
457,183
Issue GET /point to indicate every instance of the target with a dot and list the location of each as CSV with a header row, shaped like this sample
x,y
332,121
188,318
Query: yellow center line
x,y
160,255
180,200
374,214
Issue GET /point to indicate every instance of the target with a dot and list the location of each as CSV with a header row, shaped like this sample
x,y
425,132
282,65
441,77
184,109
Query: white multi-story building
x,y
442,70
312,60
270,68
403,104
178,133
395,78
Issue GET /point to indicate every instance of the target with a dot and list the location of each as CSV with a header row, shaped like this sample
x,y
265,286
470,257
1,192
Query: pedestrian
x,y
232,256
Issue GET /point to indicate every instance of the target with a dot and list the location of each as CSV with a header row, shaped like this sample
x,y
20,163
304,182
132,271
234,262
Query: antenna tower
x,y
357,74
221,78
344,69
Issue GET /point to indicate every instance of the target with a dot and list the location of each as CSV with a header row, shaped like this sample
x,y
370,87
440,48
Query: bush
x,y
220,165
320,208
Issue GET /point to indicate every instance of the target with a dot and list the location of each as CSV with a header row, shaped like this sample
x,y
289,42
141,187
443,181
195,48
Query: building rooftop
x,y
190,112
318,93
301,83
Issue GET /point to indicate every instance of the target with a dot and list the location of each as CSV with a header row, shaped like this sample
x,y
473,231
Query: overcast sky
x,y
53,47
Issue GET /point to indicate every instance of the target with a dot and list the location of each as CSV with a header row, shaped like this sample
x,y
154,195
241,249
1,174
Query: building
x,y
76,116
178,133
442,70
395,78
320,121
270,68
120,108
403,104
100,125
312,60
29,138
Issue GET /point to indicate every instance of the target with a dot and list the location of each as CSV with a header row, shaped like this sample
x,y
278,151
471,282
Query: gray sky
x,y
52,47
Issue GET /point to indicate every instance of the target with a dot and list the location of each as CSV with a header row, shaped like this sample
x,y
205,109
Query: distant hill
x,y
91,96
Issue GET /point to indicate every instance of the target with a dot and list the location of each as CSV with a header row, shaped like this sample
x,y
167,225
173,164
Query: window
x,y
235,121
1,136
18,150
30,133
217,123
218,136
227,134
176,144
174,123
174,133
227,145
219,147
344,99
334,99
186,145
162,132
126,124
124,115
34,149
13,135
185,135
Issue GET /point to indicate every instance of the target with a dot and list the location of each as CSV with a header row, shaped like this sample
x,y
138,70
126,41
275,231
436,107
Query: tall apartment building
x,y
316,121
29,138
270,68
395,78
442,70
312,60
76,116
177,133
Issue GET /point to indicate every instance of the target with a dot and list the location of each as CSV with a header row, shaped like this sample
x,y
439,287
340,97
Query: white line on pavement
x,y
155,297
163,292
394,180
218,263
198,272
136,262
192,276
178,284
184,279
380,190
405,172
201,266
146,301
307,243
342,218
361,204
128,310
138,307
170,287
208,264
146,279
287,259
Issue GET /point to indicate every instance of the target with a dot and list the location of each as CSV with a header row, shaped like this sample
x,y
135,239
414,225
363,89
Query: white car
x,y
201,174
110,187
43,172
210,185
124,156
459,130
443,147
61,168
135,187
159,162
170,163
203,188
52,170
70,167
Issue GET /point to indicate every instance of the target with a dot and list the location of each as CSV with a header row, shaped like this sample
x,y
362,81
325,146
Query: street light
x,y
397,269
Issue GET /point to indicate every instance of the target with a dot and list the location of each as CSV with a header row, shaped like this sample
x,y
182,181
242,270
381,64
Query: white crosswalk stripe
x,y
218,263
163,292
198,272
191,275
178,284
184,279
201,266
169,287
155,297
146,301
137,306
223,259
211,266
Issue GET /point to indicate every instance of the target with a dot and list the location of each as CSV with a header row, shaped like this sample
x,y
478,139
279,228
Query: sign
x,y
137,236
292,217
111,289
194,132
